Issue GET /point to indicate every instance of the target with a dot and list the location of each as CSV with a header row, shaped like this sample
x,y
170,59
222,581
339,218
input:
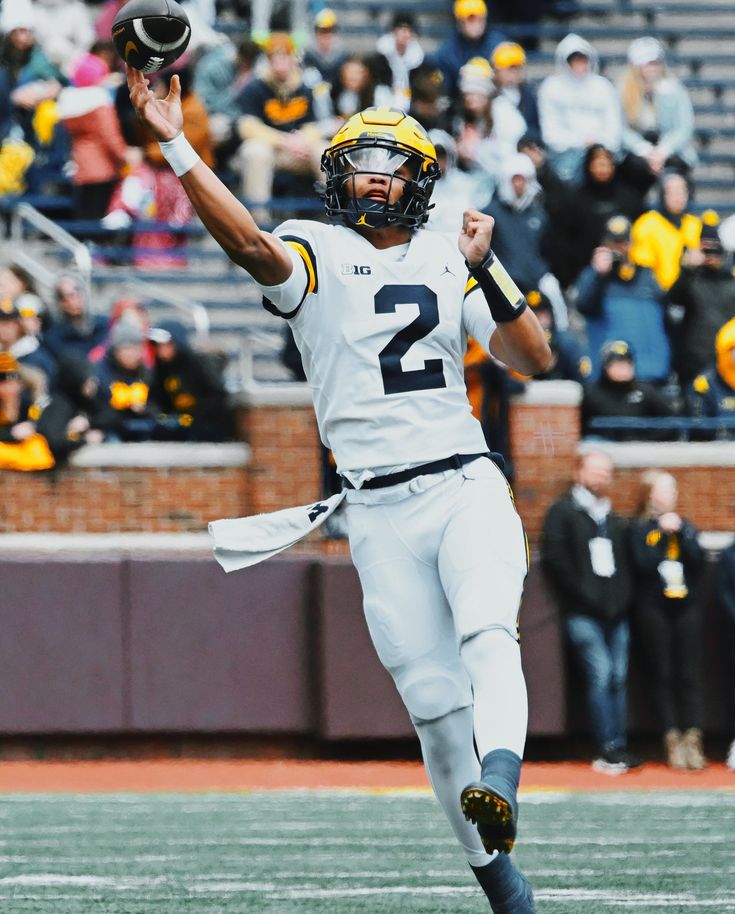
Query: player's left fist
x,y
474,239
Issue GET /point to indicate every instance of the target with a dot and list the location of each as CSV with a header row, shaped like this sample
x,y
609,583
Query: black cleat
x,y
491,803
493,814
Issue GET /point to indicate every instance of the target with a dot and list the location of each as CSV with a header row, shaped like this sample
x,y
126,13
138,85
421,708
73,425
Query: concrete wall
x,y
174,645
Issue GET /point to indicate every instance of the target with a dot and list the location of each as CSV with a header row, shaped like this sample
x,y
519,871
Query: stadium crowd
x,y
590,185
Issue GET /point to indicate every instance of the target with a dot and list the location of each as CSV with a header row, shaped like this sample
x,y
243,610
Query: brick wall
x,y
129,489
544,435
175,488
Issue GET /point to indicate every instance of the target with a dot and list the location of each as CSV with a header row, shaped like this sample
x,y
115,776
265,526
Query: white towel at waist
x,y
243,541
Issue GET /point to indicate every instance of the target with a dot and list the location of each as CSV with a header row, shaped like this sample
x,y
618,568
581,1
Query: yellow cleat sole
x,y
493,816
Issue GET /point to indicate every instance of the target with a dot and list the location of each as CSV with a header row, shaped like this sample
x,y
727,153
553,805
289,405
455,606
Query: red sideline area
x,y
170,775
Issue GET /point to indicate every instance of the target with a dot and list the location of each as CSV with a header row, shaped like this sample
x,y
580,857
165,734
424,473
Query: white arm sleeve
x,y
476,318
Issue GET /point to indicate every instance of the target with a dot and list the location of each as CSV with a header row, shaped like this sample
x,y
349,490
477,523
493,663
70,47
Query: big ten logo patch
x,y
354,269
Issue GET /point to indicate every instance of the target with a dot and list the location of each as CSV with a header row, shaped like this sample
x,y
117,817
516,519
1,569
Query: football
x,y
151,34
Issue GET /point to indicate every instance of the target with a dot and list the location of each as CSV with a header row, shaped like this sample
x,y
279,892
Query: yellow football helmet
x,y
380,140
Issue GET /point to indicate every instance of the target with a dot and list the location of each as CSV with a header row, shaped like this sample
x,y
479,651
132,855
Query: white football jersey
x,y
382,336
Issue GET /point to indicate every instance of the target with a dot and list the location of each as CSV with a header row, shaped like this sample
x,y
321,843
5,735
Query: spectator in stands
x,y
65,31
97,146
187,389
667,618
726,593
520,235
473,36
403,52
429,104
355,88
29,78
663,238
509,65
74,415
325,54
151,191
34,317
124,384
263,22
570,362
126,309
26,350
278,126
712,393
105,17
658,118
487,128
584,553
14,281
75,331
622,301
456,190
220,77
577,108
618,393
705,293
23,446
490,386
579,214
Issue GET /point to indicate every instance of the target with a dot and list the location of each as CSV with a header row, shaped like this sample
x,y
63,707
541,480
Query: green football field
x,y
338,853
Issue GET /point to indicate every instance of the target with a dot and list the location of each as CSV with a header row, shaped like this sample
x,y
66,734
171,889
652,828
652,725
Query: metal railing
x,y
24,214
720,428
198,314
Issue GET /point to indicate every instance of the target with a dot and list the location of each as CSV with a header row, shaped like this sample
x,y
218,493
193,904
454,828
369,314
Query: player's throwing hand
x,y
163,115
474,239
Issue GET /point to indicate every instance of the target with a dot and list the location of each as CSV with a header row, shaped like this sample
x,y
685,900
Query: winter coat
x,y
658,241
674,123
519,240
709,395
567,562
97,145
576,110
64,338
708,299
726,581
578,216
635,399
650,546
626,304
453,54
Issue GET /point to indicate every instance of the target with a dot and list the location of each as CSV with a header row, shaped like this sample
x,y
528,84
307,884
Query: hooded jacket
x,y
521,224
97,146
576,110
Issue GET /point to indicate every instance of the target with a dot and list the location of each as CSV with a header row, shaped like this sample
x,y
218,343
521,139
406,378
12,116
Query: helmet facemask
x,y
372,156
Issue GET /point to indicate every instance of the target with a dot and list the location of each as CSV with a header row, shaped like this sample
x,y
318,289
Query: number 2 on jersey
x,y
395,379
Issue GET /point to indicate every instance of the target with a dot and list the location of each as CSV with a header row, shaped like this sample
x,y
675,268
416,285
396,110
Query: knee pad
x,y
430,691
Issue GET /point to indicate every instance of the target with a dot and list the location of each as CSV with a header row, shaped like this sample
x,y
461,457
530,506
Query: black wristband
x,y
504,298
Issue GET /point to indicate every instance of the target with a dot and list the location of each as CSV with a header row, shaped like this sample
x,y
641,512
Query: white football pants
x,y
442,560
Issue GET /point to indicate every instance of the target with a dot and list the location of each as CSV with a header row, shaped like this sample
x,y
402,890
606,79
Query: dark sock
x,y
501,769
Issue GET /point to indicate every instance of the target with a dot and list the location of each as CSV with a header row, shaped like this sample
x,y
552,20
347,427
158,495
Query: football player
x,y
380,310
